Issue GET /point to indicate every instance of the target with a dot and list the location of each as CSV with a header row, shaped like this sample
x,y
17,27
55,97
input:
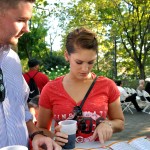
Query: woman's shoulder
x,y
57,80
54,84
104,79
100,77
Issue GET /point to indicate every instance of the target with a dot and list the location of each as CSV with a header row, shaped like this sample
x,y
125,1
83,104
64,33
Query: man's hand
x,y
45,143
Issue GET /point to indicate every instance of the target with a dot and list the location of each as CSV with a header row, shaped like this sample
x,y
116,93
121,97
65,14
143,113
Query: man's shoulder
x,y
42,74
26,73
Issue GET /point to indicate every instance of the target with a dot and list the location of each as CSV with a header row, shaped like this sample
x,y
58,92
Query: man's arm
x,y
39,139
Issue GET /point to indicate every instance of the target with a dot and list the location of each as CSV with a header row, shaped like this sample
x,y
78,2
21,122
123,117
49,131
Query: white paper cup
x,y
69,127
14,147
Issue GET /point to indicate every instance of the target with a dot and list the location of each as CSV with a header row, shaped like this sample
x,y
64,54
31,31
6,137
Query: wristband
x,y
35,133
109,123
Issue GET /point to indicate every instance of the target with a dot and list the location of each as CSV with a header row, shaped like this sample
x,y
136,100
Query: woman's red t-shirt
x,y
55,98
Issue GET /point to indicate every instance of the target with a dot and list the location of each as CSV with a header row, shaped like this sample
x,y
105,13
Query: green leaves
x,y
121,25
126,21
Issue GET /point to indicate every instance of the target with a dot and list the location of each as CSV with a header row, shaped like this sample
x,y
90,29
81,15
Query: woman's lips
x,y
84,74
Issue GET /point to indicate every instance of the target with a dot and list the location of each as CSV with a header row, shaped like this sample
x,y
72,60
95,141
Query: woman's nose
x,y
85,67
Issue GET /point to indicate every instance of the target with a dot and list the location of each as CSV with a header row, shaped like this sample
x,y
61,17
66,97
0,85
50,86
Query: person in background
x,y
101,113
141,85
147,86
15,119
128,97
40,79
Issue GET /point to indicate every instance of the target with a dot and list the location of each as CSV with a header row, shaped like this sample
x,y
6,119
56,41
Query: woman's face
x,y
81,62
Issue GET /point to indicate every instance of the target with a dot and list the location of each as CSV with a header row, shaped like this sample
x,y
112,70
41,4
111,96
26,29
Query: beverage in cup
x,y
69,127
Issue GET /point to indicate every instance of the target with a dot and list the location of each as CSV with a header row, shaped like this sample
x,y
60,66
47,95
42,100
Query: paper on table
x,y
122,146
140,143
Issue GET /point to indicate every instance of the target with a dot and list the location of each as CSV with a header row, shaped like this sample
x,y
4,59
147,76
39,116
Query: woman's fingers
x,y
60,138
61,135
57,128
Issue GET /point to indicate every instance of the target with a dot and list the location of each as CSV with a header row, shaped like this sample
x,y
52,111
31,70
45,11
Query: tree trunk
x,y
142,72
114,59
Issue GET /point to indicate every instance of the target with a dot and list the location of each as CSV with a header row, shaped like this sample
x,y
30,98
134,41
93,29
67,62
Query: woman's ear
x,y
66,55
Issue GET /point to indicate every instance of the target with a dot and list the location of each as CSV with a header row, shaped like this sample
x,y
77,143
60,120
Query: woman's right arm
x,y
44,122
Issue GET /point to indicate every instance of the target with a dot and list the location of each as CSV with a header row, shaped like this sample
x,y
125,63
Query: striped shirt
x,y
14,111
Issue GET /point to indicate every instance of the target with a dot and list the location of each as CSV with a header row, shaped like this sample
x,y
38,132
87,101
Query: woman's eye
x,y
90,63
79,63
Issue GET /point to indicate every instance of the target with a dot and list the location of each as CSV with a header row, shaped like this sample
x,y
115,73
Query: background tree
x,y
122,27
126,22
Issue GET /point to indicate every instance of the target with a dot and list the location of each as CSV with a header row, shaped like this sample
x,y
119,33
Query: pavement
x,y
136,124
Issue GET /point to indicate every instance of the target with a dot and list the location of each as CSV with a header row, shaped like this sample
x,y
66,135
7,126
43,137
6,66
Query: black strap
x,y
86,95
33,76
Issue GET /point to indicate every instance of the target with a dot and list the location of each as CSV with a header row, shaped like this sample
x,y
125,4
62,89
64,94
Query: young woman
x,y
101,112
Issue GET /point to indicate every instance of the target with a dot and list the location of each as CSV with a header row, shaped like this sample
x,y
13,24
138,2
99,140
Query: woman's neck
x,y
70,78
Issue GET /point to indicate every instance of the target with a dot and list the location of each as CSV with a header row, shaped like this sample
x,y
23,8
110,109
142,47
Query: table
x,y
95,145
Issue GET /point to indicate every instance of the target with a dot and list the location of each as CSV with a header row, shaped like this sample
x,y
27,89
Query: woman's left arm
x,y
115,115
114,123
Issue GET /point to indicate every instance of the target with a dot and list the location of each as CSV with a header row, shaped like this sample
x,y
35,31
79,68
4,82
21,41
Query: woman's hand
x,y
60,138
103,131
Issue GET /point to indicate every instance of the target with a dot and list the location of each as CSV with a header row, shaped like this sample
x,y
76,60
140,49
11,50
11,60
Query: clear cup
x,y
14,147
69,127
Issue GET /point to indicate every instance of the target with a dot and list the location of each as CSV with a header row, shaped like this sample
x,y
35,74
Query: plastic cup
x,y
69,127
14,147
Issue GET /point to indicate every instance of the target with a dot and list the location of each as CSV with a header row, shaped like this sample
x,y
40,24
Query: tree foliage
x,y
51,61
122,27
124,22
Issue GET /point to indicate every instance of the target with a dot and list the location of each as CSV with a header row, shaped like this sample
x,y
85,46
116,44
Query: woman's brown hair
x,y
83,38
